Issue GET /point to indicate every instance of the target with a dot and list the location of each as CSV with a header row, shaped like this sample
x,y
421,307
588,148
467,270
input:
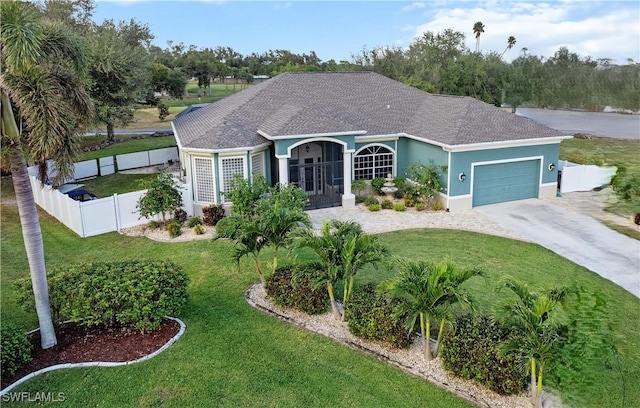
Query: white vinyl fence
x,y
108,214
580,177
99,216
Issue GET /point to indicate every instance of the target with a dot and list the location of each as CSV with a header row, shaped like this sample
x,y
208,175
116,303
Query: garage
x,y
509,181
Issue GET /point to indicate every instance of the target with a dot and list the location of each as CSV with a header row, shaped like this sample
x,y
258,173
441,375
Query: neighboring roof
x,y
336,102
190,108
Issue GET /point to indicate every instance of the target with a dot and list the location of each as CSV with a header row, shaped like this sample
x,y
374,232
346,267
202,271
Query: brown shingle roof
x,y
308,103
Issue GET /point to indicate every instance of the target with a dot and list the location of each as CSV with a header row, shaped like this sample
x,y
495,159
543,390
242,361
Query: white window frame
x,y
373,167
221,175
196,183
262,170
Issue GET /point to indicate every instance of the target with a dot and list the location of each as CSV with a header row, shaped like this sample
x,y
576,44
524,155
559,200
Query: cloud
x,y
599,30
282,6
413,6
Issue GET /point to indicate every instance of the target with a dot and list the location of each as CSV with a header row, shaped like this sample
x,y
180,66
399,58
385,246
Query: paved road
x,y
574,236
146,131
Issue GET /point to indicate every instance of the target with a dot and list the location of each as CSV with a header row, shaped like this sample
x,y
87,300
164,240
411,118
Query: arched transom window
x,y
372,162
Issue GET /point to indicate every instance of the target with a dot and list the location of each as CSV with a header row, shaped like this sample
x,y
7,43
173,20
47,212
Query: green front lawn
x,y
117,183
232,355
125,144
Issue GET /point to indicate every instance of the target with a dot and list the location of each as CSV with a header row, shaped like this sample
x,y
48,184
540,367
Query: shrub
x,y
198,229
15,348
293,286
399,207
636,219
138,292
358,186
408,200
374,207
436,206
153,224
399,194
180,216
212,214
162,196
400,182
174,229
193,221
471,351
377,184
386,204
420,206
371,316
370,200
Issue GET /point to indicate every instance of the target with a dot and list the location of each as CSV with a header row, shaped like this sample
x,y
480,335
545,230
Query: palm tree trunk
x,y
334,305
534,391
259,269
435,353
427,338
32,236
539,388
31,233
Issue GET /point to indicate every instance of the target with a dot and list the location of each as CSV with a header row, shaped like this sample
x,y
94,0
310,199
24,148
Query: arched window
x,y
372,162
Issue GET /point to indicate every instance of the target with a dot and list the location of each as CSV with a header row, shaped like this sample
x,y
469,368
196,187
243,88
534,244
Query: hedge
x,y
15,348
293,286
138,293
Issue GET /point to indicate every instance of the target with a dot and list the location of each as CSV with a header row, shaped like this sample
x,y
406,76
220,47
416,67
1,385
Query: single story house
x,y
320,131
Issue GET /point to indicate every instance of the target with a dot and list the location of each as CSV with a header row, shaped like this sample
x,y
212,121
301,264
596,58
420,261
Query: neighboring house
x,y
258,79
320,131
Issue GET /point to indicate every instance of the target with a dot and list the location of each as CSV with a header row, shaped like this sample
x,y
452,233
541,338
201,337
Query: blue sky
x,y
338,29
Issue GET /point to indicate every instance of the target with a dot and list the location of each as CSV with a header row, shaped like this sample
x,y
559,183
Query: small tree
x,y
162,196
163,111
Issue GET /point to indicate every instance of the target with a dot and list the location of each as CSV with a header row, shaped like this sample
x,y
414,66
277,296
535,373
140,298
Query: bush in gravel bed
x,y
139,293
193,221
471,351
293,286
371,316
15,348
212,214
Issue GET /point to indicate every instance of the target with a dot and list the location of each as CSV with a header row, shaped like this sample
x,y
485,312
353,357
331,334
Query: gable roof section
x,y
311,103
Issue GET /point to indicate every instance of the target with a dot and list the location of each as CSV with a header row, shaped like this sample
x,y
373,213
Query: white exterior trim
x,y
315,139
507,143
221,173
378,138
192,177
312,135
394,151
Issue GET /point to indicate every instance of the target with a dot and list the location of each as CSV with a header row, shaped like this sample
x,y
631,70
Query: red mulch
x,y
78,344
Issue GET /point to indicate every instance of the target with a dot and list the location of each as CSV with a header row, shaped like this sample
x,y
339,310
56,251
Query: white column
x,y
283,170
348,199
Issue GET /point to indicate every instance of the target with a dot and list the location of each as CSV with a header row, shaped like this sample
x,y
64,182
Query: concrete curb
x,y
99,363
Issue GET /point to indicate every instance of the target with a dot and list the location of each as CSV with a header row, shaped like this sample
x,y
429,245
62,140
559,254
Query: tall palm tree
x,y
248,239
511,41
478,28
428,290
42,82
532,315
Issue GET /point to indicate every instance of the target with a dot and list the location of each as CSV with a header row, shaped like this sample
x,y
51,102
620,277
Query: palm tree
x,y
359,250
329,246
42,70
511,41
247,237
427,290
478,28
532,315
275,222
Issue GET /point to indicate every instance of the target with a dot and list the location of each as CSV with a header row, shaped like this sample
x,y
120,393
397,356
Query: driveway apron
x,y
575,236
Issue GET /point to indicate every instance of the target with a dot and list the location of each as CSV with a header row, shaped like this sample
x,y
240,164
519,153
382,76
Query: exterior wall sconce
x,y
551,166
462,177
306,148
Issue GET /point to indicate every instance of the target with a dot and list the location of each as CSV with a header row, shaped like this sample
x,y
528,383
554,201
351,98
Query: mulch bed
x,y
78,344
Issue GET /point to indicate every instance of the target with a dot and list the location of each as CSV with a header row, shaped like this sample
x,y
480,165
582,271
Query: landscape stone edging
x,y
99,363
411,370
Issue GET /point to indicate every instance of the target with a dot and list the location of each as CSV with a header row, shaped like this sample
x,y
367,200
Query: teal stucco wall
x,y
461,163
282,146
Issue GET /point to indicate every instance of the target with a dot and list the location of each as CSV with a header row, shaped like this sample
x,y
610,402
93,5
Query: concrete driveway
x,y
574,236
